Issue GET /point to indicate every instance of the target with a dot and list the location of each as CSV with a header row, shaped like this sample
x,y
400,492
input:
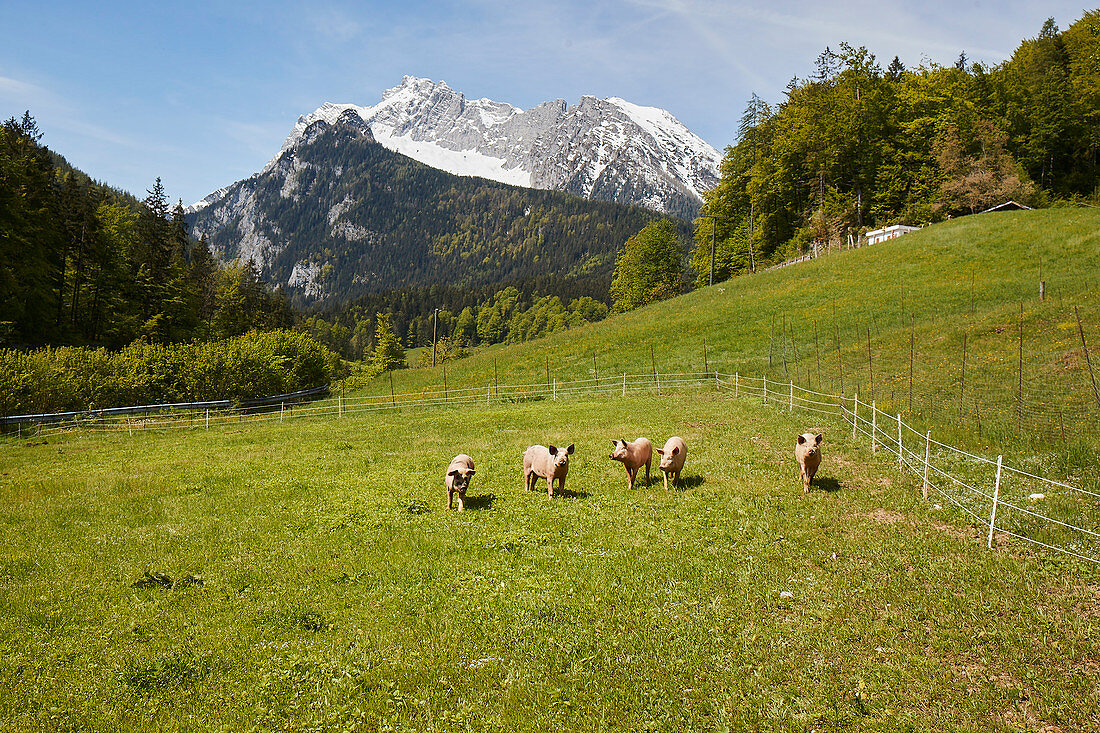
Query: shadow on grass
x,y
658,483
480,501
826,484
570,494
689,482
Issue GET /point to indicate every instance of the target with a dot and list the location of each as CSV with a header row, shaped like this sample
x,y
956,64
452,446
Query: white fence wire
x,y
1005,500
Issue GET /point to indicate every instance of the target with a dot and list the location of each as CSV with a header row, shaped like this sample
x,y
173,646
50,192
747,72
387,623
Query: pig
x,y
549,463
457,479
633,455
673,456
808,454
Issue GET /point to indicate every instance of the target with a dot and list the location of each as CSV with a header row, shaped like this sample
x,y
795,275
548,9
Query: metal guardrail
x,y
107,412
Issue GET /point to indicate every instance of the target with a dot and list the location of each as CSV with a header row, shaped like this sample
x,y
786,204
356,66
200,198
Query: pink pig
x,y
549,463
673,456
633,455
808,455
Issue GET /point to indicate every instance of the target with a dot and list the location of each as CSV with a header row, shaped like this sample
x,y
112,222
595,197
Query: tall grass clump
x,y
78,378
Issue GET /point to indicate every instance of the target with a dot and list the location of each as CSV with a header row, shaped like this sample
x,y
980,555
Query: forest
x,y
82,263
856,146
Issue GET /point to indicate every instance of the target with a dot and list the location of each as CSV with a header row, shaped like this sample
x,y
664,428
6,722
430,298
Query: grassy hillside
x,y
321,586
966,278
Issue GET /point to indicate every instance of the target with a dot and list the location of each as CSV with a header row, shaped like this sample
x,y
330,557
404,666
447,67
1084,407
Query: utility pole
x,y
435,330
752,222
713,234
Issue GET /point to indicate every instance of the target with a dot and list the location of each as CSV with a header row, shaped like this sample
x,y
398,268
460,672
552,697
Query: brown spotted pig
x,y
457,479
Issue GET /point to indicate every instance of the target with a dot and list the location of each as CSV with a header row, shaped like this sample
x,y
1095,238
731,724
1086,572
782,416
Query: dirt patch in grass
x,y
950,529
1083,599
886,516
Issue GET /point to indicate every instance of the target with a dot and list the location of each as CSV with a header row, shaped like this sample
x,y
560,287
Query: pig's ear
x,y
452,473
569,450
817,439
623,441
661,451
614,442
801,439
471,472
675,450
553,450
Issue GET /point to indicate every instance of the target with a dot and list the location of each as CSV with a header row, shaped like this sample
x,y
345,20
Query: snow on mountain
x,y
603,149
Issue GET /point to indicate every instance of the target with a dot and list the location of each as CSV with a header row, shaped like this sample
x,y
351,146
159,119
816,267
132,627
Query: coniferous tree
x,y
388,352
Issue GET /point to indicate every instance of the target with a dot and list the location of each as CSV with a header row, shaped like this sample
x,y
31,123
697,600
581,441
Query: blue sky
x,y
203,94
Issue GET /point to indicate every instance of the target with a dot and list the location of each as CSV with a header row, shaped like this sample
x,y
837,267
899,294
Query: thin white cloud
x,y
333,24
56,115
257,138
14,87
902,28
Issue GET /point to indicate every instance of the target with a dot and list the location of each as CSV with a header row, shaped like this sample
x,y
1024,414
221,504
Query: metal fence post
x,y
996,495
765,389
790,408
901,463
555,388
855,414
282,405
927,452
874,428
736,383
207,418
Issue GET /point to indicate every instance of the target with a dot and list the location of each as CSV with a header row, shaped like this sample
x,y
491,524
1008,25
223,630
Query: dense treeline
x,y
79,378
649,267
856,146
361,219
82,263
467,316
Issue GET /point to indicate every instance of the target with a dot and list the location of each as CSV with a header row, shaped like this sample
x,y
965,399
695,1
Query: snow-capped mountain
x,y
338,215
602,149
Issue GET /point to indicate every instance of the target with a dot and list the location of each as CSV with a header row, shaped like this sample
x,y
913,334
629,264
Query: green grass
x,y
337,593
963,278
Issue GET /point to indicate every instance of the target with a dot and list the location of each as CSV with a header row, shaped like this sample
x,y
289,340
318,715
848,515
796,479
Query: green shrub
x,y
257,364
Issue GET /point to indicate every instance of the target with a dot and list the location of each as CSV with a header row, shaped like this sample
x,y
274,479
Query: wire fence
x,y
1005,501
1027,370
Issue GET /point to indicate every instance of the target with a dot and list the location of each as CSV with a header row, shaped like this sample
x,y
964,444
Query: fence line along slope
x,y
943,325
1015,501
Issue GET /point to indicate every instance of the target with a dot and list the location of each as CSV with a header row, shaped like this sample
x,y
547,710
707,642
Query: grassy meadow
x,y
963,279
319,584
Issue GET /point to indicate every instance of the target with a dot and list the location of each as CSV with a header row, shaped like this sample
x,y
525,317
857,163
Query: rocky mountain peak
x,y
602,149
